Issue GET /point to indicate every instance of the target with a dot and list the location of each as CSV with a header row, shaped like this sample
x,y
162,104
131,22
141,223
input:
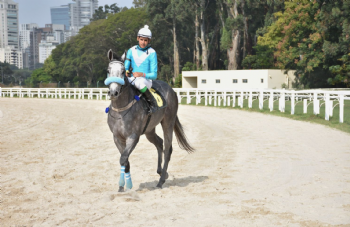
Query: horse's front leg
x,y
121,144
131,143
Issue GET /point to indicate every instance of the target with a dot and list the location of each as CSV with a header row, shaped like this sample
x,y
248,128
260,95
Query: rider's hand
x,y
137,74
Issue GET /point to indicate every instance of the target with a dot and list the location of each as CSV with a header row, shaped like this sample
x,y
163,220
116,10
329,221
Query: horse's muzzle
x,y
113,94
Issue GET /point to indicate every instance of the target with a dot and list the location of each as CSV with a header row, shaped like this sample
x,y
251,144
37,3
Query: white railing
x,y
230,97
67,93
216,97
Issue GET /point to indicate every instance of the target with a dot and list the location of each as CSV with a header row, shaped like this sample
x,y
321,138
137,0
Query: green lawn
x,y
298,115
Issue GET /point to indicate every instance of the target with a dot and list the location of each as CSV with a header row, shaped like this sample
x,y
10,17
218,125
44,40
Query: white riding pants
x,y
140,82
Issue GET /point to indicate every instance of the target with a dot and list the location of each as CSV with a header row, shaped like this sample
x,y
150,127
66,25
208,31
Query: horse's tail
x,y
181,137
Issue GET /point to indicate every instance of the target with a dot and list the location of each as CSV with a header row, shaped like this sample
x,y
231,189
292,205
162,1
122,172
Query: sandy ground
x,y
60,167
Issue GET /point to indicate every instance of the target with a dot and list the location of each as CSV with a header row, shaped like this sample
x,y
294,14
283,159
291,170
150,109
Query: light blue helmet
x,y
145,32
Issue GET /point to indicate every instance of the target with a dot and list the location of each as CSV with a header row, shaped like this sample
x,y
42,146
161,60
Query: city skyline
x,y
29,12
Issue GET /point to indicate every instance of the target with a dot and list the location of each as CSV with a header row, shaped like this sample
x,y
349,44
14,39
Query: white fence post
x,y
326,107
234,99
292,102
0,92
206,98
282,102
331,108
224,97
250,100
305,106
261,100
215,98
271,101
341,108
316,104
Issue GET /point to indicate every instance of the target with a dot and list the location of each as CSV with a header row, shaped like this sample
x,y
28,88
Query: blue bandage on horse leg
x,y
121,179
128,181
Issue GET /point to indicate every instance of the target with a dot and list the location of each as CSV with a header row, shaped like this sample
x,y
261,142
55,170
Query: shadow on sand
x,y
177,182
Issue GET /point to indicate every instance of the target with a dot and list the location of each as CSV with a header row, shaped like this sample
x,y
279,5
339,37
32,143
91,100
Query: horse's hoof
x,y
159,185
121,189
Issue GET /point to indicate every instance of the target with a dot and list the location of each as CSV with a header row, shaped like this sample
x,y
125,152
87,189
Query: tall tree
x,y
311,37
102,14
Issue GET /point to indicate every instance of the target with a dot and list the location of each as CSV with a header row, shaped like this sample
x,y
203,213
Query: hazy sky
x,y
38,11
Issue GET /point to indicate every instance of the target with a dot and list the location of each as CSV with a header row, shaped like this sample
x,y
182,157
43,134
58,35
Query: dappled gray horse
x,y
127,119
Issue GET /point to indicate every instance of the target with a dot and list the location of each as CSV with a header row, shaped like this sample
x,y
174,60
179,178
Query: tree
x,y
102,14
6,71
311,38
38,75
83,59
169,18
139,3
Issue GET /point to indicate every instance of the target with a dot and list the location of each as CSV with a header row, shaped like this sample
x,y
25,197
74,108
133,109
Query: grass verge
x,y
298,115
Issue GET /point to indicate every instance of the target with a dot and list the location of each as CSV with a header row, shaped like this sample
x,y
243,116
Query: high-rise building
x,y
61,15
9,24
24,35
86,9
9,35
74,15
46,47
12,56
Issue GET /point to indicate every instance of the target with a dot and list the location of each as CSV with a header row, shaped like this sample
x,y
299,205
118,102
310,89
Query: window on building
x,y
235,81
262,80
204,81
245,81
217,81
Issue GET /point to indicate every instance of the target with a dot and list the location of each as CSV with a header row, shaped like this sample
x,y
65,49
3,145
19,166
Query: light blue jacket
x,y
142,60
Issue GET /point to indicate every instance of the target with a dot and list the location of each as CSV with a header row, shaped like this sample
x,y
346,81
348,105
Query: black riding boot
x,y
151,100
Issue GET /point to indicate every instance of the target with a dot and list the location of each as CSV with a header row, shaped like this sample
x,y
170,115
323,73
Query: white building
x,y
74,15
9,24
24,35
237,79
85,9
12,56
46,47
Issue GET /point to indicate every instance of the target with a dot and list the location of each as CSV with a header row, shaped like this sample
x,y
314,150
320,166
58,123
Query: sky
x,y
38,11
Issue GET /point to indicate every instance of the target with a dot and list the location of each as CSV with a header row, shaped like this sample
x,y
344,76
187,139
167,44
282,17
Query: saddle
x,y
161,102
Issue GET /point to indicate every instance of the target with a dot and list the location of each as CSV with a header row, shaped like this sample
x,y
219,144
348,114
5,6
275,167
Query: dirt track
x,y
59,166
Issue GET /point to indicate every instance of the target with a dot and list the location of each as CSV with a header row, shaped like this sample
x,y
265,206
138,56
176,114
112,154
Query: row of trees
x,y
311,37
10,74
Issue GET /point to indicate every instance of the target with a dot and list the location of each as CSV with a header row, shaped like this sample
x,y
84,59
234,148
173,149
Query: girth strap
x,y
148,120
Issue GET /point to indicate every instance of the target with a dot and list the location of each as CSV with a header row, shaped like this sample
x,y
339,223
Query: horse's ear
x,y
110,55
123,57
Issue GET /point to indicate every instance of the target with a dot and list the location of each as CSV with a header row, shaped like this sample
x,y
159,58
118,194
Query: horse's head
x,y
116,73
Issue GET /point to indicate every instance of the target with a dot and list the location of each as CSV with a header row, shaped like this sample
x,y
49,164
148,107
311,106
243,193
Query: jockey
x,y
143,60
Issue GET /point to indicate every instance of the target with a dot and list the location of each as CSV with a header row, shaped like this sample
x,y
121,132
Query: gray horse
x,y
127,119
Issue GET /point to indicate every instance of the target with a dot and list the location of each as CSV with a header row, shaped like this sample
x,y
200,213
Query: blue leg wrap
x,y
122,180
128,181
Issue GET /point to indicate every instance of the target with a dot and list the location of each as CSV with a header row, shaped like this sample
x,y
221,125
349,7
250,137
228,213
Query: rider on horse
x,y
143,60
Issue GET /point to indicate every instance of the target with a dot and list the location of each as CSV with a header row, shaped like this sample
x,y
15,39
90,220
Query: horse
x,y
128,120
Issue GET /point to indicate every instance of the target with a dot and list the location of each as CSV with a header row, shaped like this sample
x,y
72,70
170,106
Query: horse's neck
x,y
124,98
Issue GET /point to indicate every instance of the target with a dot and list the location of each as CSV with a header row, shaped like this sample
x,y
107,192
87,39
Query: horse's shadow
x,y
176,182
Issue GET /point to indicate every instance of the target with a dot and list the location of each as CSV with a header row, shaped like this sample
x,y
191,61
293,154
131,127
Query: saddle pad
x,y
158,97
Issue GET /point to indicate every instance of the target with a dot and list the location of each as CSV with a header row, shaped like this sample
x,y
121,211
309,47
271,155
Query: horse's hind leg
x,y
168,128
158,142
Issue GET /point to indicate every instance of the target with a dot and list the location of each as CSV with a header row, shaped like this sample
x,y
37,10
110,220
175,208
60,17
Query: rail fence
x,y
318,98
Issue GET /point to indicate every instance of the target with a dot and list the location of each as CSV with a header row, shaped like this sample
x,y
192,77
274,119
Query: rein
x,y
130,103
